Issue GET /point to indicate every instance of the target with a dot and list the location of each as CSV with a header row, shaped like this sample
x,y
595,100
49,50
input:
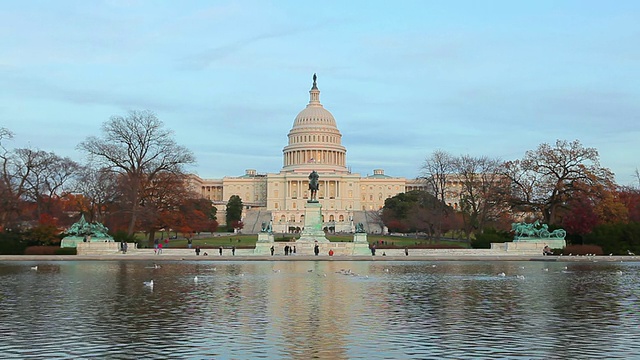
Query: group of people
x,y
157,246
288,250
233,250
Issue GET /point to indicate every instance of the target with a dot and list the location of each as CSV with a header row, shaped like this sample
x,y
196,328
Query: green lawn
x,y
246,241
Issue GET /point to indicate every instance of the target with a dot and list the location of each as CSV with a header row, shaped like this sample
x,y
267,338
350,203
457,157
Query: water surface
x,y
323,309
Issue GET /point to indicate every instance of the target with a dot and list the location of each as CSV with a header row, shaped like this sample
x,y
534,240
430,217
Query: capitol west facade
x,y
315,143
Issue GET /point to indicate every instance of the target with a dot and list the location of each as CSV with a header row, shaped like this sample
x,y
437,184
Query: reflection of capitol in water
x,y
309,305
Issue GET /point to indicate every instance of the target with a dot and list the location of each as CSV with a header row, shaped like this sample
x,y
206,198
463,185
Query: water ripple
x,y
326,310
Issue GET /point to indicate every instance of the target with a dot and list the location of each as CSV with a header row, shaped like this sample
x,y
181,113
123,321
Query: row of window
x,y
292,218
312,138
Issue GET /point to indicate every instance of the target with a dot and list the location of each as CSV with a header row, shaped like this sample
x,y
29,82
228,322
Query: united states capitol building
x,y
315,143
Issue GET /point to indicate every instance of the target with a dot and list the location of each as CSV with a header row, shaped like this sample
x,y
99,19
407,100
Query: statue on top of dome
x,y
314,185
314,80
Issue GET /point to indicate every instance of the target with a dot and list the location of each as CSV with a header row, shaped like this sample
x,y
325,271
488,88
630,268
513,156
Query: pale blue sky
x,y
402,78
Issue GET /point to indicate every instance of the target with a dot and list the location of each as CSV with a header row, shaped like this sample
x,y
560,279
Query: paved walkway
x,y
168,256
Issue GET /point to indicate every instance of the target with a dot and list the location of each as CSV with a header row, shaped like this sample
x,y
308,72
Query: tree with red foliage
x,y
630,197
237,225
550,176
582,218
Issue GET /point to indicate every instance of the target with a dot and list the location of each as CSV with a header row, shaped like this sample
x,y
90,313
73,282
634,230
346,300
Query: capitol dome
x,y
314,139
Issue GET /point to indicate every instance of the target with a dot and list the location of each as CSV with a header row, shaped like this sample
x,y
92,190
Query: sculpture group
x,y
536,230
266,227
83,228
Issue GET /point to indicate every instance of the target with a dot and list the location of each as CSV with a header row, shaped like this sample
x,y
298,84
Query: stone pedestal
x,y
529,247
265,237
312,231
360,238
73,241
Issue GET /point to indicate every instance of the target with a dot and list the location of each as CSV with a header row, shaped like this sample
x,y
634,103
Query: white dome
x,y
314,139
314,115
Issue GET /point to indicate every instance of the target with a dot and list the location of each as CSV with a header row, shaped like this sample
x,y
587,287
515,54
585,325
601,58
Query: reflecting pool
x,y
319,309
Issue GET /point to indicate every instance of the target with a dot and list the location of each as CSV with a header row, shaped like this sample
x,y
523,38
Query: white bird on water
x,y
149,283
502,274
34,268
195,278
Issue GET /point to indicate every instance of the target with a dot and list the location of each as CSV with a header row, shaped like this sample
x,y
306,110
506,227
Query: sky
x,y
402,78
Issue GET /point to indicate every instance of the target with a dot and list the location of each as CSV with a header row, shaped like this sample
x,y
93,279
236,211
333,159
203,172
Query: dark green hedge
x,y
484,240
616,239
12,244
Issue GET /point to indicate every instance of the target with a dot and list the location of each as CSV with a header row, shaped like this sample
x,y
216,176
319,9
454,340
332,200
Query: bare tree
x,y
42,176
436,171
99,189
482,184
139,148
7,196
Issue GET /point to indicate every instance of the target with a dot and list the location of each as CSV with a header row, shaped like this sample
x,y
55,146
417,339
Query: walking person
x,y
220,250
316,249
272,250
189,242
233,251
197,249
